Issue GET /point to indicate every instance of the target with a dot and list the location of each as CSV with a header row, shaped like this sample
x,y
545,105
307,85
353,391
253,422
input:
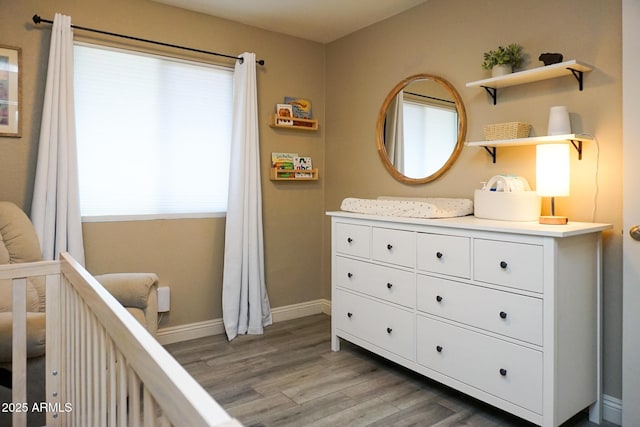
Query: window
x,y
430,136
153,133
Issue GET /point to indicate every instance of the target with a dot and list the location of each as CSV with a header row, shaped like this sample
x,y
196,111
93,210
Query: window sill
x,y
152,217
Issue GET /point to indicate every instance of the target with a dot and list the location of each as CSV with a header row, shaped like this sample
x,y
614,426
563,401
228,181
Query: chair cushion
x,y
35,335
19,243
34,303
18,239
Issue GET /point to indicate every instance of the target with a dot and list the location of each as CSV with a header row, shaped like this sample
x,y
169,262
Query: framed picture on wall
x,y
10,91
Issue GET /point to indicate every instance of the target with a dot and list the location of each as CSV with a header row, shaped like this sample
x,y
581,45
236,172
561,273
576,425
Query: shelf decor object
x,y
559,123
508,130
552,177
576,139
503,59
560,69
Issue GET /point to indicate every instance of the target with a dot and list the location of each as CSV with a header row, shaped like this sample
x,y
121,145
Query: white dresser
x,y
508,313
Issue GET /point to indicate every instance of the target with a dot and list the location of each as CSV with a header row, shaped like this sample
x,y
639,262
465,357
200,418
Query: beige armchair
x,y
19,243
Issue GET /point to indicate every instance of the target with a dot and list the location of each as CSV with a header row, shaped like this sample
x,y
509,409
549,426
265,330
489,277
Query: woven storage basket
x,y
511,130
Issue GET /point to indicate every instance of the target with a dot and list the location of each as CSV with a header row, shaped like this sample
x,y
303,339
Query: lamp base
x,y
554,220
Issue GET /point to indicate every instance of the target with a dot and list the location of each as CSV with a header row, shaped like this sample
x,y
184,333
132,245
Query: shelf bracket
x,y
578,75
492,152
578,147
493,92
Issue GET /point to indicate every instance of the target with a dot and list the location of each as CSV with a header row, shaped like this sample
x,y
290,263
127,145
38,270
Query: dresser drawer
x,y
506,370
516,265
444,254
505,313
387,327
353,240
390,284
394,246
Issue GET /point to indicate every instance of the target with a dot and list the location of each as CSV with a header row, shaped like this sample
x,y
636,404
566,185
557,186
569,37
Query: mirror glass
x,y
421,128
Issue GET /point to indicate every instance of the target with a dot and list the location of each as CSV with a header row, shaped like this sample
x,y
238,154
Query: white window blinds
x,y
153,133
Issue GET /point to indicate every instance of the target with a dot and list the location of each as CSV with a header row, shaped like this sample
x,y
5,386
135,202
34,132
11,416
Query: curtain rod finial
x,y
36,19
261,62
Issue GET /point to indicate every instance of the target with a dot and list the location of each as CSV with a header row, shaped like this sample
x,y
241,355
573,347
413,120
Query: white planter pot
x,y
501,70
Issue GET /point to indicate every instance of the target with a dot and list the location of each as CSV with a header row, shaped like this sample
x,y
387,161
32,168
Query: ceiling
x,y
322,21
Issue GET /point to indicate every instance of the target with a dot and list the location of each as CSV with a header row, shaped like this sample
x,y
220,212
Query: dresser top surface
x,y
473,223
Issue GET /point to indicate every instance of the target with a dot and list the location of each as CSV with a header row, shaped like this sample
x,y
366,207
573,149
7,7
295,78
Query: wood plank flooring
x,y
290,377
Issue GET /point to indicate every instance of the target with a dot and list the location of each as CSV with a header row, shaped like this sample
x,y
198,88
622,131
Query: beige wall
x,y
447,38
351,76
186,254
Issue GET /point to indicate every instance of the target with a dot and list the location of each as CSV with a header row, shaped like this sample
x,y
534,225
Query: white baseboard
x,y
612,409
173,334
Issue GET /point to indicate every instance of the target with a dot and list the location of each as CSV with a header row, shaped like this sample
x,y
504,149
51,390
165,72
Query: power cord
x,y
160,316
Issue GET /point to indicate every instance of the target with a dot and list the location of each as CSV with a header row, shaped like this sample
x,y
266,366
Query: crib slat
x,y
102,365
79,414
94,371
53,368
134,398
149,409
19,350
122,391
111,399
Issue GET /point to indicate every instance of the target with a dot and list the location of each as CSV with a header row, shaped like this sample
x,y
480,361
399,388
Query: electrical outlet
x,y
164,299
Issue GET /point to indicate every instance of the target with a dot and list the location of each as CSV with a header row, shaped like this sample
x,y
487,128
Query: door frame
x,y
631,212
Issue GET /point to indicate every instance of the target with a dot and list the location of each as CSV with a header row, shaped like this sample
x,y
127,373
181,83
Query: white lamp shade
x,y
552,170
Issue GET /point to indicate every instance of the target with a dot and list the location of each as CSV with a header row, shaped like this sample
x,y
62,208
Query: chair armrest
x,y
130,289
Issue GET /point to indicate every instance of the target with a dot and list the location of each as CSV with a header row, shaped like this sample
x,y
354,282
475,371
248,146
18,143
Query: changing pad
x,y
410,207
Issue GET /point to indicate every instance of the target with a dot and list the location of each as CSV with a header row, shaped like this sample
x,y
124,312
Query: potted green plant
x,y
503,59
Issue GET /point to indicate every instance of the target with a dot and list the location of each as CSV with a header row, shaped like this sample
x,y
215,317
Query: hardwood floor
x,y
290,377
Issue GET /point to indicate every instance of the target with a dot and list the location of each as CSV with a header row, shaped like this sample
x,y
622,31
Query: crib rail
x,y
102,367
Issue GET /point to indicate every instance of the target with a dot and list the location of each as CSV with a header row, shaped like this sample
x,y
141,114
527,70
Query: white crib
x,y
102,367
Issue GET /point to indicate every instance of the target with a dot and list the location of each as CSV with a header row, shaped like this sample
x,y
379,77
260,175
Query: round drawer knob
x,y
503,264
389,285
349,275
439,348
349,240
389,330
349,315
503,315
438,255
438,298
389,246
503,372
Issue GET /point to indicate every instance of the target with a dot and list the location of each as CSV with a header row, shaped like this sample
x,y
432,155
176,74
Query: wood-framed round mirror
x,y
421,128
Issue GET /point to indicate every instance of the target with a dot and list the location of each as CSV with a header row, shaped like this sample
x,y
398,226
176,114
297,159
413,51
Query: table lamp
x,y
552,176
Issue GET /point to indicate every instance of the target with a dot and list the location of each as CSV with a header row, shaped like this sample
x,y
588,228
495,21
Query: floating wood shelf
x,y
491,146
290,175
296,123
533,75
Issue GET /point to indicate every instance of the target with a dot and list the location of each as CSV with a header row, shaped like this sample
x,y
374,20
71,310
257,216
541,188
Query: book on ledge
x,y
301,164
283,161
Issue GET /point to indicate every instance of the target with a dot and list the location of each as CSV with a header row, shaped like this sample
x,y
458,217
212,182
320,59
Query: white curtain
x,y
245,304
394,132
55,210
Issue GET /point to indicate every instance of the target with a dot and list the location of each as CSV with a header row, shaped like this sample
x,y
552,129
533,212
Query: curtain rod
x,y
430,97
37,19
